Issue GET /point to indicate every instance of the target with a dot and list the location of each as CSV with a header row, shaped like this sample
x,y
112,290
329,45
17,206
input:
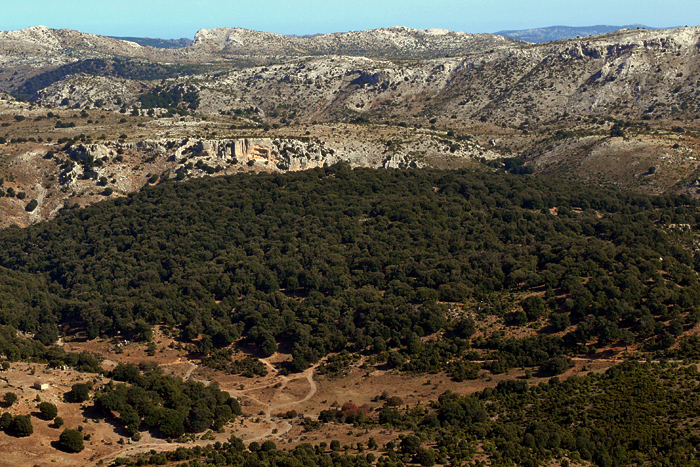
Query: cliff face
x,y
87,173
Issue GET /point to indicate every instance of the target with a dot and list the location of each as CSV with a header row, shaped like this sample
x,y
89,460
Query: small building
x,y
40,385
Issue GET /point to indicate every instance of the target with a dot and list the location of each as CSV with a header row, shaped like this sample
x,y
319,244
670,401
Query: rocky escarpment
x,y
199,157
85,173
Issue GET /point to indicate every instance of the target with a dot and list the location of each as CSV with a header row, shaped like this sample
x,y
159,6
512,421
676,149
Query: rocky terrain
x,y
616,109
77,159
41,47
632,73
42,51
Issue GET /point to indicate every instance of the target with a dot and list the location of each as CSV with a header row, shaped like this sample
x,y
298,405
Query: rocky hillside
x,y
42,46
652,73
636,72
34,58
396,42
73,162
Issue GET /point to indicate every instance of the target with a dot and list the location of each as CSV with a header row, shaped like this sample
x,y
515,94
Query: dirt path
x,y
277,430
189,372
279,427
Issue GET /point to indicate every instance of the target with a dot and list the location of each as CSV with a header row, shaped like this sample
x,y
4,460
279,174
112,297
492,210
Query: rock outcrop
x,y
88,163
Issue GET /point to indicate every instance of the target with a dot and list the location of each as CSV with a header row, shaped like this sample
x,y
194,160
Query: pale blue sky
x,y
179,18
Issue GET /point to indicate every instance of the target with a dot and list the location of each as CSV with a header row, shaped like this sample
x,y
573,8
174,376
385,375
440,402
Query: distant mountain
x,y
558,33
394,42
158,43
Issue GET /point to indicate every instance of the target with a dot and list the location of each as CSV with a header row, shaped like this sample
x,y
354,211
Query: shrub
x,y
5,421
32,205
22,426
10,398
533,306
48,410
617,131
78,393
556,365
71,440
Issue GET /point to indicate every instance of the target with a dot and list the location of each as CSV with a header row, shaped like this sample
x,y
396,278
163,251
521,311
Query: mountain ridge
x,y
560,32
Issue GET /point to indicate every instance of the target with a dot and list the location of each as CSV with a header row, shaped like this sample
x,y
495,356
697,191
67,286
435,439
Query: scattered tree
x,y
71,440
22,426
48,410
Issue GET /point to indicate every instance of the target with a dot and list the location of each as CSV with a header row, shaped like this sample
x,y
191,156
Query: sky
x,y
171,19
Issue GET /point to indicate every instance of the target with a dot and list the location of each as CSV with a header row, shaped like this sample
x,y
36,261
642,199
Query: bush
x,y
58,422
32,205
78,393
22,426
71,440
533,306
617,131
48,410
394,401
10,398
5,421
556,365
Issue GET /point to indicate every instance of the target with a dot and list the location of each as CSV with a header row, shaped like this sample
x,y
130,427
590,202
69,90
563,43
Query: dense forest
x,y
170,98
369,261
